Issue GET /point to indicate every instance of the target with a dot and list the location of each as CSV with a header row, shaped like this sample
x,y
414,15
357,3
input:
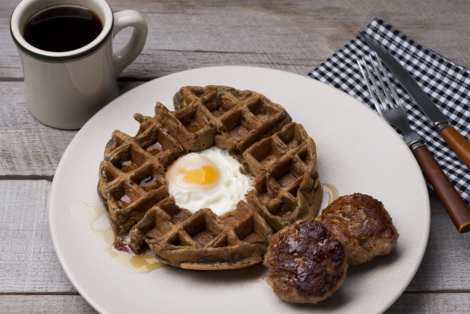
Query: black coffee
x,y
62,28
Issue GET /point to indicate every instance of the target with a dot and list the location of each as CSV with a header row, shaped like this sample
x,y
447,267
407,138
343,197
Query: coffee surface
x,y
62,28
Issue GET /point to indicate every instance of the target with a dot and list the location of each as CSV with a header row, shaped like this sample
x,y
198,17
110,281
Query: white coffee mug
x,y
65,89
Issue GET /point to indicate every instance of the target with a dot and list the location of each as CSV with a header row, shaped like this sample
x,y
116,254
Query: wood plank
x,y
27,147
44,304
445,263
425,303
291,35
28,262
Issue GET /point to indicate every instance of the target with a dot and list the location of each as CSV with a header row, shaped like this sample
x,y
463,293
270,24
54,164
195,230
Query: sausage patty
x,y
306,264
363,226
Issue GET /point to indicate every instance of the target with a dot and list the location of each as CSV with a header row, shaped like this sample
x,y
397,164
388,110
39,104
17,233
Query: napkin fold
x,y
447,84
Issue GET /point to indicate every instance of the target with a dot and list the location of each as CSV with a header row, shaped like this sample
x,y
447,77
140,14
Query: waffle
x,y
258,133
286,186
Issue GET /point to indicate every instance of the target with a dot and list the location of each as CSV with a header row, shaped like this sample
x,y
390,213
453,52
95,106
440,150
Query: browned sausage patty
x,y
363,226
306,264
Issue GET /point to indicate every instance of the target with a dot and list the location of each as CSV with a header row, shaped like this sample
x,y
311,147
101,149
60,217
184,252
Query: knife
x,y
453,138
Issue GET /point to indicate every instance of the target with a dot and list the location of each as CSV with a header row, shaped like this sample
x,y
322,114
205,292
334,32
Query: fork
x,y
392,110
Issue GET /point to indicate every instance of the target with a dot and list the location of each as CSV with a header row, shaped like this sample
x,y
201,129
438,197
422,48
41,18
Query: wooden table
x,y
294,36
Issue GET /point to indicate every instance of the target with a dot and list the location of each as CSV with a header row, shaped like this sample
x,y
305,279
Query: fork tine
x,y
369,87
372,79
395,96
380,74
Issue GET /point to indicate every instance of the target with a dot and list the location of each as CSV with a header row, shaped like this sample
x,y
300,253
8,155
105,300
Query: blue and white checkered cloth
x,y
447,84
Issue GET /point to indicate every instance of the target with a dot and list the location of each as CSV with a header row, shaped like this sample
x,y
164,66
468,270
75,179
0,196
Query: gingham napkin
x,y
447,83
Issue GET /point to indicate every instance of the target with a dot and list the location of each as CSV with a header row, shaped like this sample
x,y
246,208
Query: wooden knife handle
x,y
457,143
453,203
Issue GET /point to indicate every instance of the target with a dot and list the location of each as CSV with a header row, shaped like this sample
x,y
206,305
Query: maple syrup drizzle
x,y
149,183
128,165
125,201
266,281
141,263
155,148
332,191
95,221
193,128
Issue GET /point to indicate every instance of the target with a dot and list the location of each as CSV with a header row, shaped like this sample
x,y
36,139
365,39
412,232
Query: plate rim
x,y
96,306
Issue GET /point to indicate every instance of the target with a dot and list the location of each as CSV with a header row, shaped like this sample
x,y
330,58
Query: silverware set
x,y
389,106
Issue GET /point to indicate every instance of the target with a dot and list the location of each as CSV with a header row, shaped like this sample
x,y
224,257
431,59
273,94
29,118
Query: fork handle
x,y
457,143
453,203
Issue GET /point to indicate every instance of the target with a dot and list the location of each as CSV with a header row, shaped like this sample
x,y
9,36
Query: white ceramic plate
x,y
357,152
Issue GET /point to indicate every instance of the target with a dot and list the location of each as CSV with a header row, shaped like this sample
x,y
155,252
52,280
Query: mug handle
x,y
125,56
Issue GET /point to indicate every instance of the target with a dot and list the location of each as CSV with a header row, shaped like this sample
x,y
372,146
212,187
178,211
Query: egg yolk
x,y
200,176
194,172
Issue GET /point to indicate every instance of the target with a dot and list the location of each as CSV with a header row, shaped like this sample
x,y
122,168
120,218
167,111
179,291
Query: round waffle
x,y
258,133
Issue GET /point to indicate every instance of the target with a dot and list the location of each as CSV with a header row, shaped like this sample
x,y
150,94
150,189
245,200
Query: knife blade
x,y
453,138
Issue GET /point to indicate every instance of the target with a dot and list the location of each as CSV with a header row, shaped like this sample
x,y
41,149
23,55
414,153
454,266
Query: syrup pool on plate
x,y
95,221
332,192
264,279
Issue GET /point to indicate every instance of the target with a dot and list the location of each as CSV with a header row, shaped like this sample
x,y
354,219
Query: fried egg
x,y
208,179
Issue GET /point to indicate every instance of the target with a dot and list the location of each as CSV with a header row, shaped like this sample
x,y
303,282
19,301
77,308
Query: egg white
x,y
222,197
